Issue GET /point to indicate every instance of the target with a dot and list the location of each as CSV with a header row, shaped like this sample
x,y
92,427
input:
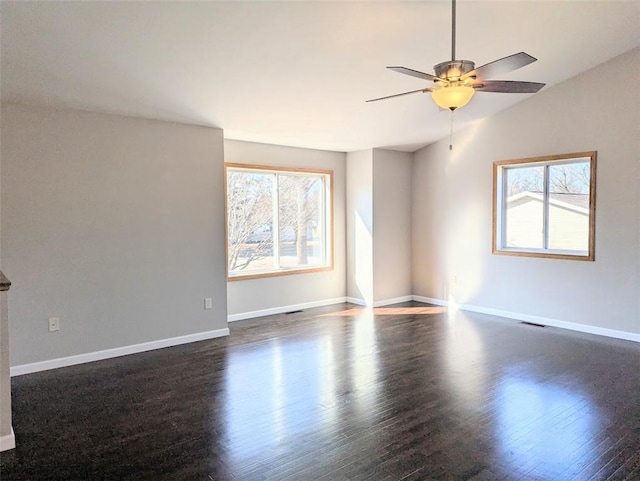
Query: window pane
x,y
544,206
524,207
301,219
250,211
569,206
277,220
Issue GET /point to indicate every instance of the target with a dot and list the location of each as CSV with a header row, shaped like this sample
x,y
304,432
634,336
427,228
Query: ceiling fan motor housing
x,y
453,69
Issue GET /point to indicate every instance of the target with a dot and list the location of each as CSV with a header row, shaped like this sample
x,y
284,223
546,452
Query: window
x,y
545,206
278,221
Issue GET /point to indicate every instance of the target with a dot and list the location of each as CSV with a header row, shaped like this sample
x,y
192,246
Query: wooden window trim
x,y
546,160
330,212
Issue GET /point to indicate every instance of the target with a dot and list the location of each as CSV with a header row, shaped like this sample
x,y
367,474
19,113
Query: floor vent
x,y
293,312
532,324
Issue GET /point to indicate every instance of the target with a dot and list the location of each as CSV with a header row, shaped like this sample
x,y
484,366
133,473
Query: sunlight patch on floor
x,y
387,311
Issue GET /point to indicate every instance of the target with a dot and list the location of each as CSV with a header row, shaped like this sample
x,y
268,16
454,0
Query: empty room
x,y
320,240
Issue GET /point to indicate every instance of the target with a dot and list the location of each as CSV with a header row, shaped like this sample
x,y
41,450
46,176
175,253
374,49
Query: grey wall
x,y
360,226
264,294
378,225
452,205
114,225
391,224
5,381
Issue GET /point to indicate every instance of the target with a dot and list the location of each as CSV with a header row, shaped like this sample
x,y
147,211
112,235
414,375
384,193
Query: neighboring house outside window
x,y
279,221
569,232
545,207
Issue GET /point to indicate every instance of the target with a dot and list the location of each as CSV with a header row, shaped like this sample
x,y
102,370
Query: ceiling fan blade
x,y
507,86
501,66
400,95
414,73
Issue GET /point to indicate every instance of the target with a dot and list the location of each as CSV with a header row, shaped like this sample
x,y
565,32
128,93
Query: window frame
x,y
329,216
499,207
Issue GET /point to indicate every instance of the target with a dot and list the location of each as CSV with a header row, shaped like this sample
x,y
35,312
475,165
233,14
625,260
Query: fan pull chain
x,y
451,132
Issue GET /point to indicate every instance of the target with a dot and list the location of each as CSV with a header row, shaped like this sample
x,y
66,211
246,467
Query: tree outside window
x,y
278,220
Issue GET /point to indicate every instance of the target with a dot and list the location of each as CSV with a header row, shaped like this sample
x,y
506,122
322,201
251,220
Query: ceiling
x,y
294,73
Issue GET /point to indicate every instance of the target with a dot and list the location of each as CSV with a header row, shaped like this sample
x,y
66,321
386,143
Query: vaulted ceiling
x,y
294,73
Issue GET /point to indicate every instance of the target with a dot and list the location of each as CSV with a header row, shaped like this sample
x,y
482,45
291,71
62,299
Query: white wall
x,y
391,225
260,296
452,203
115,225
360,226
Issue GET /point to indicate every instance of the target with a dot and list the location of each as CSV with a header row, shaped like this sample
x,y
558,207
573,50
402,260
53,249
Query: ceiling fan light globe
x,y
452,97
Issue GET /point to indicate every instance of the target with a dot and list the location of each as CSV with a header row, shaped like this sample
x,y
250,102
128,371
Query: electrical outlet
x,y
208,304
54,324
454,281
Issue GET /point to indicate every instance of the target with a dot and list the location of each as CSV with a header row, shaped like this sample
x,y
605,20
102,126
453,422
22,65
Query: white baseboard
x,y
357,301
8,441
115,352
545,321
395,300
279,310
384,302
430,300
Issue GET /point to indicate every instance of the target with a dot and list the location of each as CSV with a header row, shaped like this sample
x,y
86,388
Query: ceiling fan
x,y
457,80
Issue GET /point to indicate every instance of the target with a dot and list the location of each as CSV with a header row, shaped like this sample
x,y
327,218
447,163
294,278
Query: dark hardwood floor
x,y
335,393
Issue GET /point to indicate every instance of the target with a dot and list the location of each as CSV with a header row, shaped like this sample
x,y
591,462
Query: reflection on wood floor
x,y
340,392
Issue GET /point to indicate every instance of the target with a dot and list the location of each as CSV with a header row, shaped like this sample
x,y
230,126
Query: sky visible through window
x,y
573,178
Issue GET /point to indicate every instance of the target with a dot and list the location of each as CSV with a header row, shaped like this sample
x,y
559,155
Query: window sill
x,y
547,254
287,272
